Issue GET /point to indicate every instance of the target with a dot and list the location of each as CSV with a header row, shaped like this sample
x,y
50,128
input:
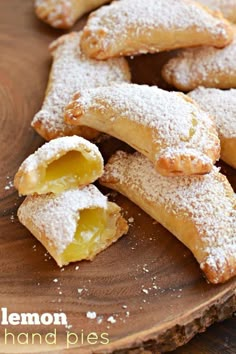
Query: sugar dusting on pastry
x,y
56,12
227,7
207,66
53,149
207,200
63,210
177,124
221,104
72,71
130,19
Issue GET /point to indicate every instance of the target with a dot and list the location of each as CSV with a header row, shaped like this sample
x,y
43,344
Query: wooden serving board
x,y
148,282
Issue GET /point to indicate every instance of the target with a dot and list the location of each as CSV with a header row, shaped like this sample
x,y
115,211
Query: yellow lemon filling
x,y
69,171
88,236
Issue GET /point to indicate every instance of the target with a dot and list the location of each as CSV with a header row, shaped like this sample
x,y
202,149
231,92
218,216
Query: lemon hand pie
x,y
203,66
74,225
61,164
64,13
132,27
167,127
221,104
200,211
72,71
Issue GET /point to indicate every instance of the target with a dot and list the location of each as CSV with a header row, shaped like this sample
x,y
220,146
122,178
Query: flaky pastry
x,y
61,164
72,71
203,66
74,225
200,211
130,27
64,13
221,104
226,7
167,127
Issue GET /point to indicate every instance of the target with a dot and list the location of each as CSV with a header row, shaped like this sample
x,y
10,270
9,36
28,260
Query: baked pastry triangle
x,y
64,13
226,7
205,66
61,164
200,211
132,27
167,127
221,104
72,71
74,225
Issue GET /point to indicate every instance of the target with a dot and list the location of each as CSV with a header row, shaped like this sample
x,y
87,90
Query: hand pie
x,y
200,211
221,105
64,13
132,27
167,127
61,164
72,71
227,7
206,66
74,225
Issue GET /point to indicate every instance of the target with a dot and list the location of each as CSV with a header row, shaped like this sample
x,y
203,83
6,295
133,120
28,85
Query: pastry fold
x,y
74,225
60,164
167,127
221,104
130,27
203,66
64,13
226,7
200,211
70,72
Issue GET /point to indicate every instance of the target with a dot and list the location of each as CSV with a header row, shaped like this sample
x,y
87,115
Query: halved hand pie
x,y
64,13
61,164
130,27
74,225
72,71
204,66
221,104
200,211
167,127
226,7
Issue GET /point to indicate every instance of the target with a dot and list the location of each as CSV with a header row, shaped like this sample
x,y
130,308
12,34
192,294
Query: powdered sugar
x,y
221,104
227,7
55,148
72,71
207,200
130,21
207,66
169,119
58,13
57,215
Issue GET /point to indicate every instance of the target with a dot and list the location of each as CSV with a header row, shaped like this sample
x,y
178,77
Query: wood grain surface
x,y
148,281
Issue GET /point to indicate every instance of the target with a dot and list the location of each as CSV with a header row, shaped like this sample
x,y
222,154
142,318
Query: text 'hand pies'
x,y
74,225
64,13
72,71
167,127
203,66
221,104
200,211
130,27
61,164
226,7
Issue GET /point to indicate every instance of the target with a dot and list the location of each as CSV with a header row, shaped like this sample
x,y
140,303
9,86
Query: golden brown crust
x,y
203,66
64,13
167,127
111,31
199,211
72,71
